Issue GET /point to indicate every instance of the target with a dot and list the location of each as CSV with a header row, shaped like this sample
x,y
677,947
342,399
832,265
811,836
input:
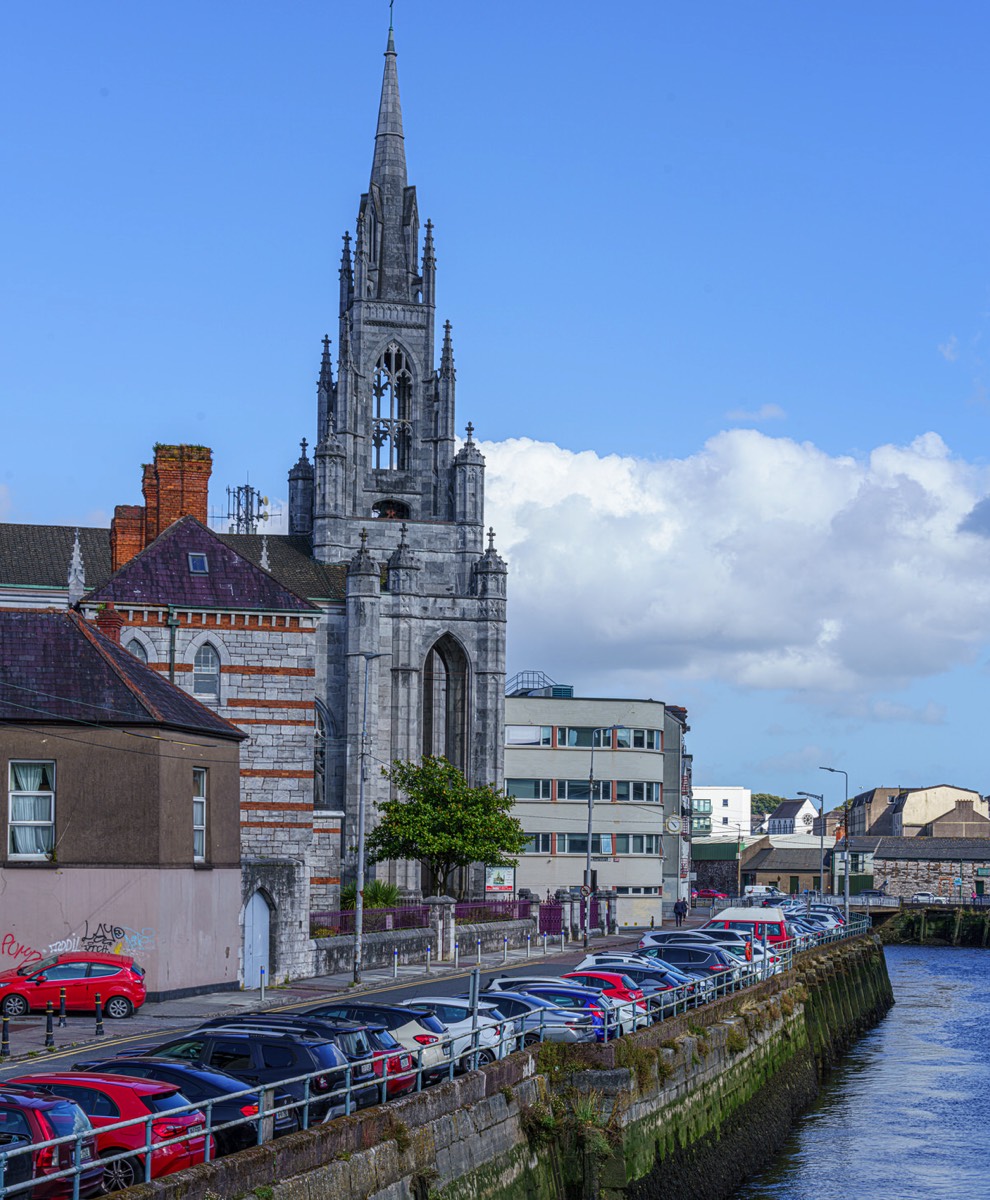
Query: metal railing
x,y
319,1103
340,922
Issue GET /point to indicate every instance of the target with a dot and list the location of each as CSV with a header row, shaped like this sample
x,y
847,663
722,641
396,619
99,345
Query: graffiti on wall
x,y
107,938
23,955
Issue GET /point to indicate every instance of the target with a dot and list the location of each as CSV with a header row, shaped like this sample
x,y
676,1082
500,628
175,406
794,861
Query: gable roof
x,y
784,859
55,666
37,556
161,574
787,810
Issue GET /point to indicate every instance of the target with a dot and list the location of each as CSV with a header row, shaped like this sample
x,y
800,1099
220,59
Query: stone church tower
x,y
414,662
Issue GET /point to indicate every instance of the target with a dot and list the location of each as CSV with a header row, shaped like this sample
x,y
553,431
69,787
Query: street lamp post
x,y
821,836
591,821
845,825
359,891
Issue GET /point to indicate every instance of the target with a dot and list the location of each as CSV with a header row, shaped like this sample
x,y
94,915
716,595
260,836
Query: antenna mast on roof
x,y
245,508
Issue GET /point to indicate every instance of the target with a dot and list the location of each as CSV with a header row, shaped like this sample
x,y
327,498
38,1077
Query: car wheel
x,y
118,1007
531,1039
14,1006
483,1058
123,1173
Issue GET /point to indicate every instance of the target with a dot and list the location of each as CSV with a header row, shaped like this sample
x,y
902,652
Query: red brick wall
x,y
175,485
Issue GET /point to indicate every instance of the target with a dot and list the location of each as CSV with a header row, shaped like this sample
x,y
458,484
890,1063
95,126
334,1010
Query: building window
x,y
646,739
134,647
725,820
32,809
206,671
584,737
638,790
539,843
725,804
577,843
701,806
577,789
528,789
390,510
637,843
198,564
528,735
199,814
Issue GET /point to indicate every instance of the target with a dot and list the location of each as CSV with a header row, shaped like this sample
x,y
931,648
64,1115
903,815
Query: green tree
x,y
444,822
765,802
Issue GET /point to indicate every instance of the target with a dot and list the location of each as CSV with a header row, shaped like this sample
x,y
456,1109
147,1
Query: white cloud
x,y
759,562
766,412
949,349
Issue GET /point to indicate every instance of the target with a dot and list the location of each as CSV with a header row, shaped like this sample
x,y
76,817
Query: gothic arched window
x,y
206,671
134,647
392,390
390,510
320,762
444,704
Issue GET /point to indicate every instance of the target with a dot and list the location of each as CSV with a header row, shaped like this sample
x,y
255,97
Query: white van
x,y
761,889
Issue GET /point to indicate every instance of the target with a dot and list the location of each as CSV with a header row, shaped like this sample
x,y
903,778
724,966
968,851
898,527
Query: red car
x,y
29,1116
613,983
109,1099
393,1061
117,978
710,894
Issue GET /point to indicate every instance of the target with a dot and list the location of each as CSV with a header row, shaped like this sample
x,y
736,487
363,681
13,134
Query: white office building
x,y
721,811
629,757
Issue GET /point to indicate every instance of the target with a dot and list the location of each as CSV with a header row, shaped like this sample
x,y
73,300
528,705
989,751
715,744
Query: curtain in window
x,y
28,776
31,839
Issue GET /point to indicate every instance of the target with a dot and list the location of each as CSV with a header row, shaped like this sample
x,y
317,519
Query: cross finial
x,y
469,429
326,343
403,530
302,445
364,540
491,538
391,5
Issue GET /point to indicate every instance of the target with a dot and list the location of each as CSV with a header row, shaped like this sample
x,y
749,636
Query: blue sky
x,y
718,275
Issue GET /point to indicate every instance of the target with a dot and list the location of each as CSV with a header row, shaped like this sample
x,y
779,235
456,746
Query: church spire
x,y
389,165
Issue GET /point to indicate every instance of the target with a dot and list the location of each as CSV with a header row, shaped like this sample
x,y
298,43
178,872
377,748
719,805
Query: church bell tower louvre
x,y
413,660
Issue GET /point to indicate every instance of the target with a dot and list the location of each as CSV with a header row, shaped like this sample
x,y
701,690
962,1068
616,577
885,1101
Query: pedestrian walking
x,y
680,912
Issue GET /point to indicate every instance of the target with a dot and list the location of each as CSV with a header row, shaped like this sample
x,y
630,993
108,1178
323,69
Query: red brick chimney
x,y
109,622
175,485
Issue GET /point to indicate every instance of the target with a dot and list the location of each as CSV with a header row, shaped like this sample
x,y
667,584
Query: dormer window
x,y
198,564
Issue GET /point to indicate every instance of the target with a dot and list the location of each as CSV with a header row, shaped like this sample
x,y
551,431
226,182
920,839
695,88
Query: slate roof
x,y
161,574
291,562
787,810
38,555
55,666
926,849
795,860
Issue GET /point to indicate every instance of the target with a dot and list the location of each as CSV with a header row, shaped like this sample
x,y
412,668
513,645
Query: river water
x,y
904,1117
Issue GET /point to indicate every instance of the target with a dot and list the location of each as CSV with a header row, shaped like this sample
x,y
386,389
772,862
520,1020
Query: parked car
x,y
605,1017
210,1088
267,1057
541,1020
415,1029
475,1041
28,1117
109,1099
711,894
616,985
756,922
700,960
117,977
350,1037
923,898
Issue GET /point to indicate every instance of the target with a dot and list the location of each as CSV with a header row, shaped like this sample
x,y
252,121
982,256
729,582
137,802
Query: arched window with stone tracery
x,y
392,424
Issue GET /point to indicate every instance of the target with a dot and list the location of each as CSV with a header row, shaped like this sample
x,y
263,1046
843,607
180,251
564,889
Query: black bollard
x,y
99,1017
61,1008
4,1037
49,1029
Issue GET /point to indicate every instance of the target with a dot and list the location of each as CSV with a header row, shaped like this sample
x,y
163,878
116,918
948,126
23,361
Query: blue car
x,y
577,999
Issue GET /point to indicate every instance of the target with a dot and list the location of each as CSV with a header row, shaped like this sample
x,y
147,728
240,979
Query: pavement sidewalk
x,y
27,1035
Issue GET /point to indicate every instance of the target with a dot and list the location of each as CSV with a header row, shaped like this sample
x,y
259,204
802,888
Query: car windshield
x,y
353,1043
38,966
66,1119
164,1102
